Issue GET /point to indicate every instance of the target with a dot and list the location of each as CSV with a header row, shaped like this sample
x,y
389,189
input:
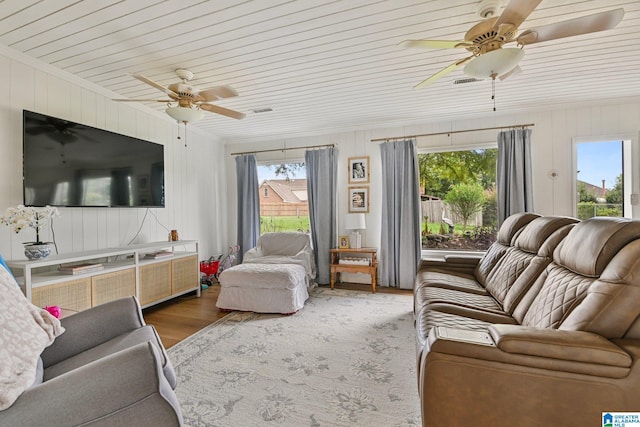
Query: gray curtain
x,y
400,245
321,189
248,203
514,182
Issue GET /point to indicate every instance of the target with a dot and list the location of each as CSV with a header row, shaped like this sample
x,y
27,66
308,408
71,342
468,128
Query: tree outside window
x,y
458,197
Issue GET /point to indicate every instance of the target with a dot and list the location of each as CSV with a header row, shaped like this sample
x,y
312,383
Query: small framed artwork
x,y
359,199
343,242
358,169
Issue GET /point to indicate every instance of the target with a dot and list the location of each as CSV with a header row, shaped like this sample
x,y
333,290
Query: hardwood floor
x,y
181,317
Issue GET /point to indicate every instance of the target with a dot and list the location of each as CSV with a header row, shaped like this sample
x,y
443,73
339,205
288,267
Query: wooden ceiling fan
x,y
185,103
485,40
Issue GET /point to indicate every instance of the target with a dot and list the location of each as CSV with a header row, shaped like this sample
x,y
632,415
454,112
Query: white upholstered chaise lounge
x,y
274,277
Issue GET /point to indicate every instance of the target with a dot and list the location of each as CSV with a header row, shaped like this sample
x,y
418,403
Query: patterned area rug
x,y
346,359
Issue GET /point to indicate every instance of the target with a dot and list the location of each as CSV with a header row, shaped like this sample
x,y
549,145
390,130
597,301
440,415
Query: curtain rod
x,y
454,131
281,149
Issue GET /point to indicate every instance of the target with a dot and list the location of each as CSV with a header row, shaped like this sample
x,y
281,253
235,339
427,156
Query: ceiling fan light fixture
x,y
185,114
494,63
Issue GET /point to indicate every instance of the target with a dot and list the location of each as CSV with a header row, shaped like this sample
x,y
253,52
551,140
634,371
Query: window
x,y
458,199
284,206
95,190
601,184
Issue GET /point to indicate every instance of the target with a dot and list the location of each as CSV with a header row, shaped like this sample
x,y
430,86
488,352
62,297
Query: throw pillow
x,y
25,331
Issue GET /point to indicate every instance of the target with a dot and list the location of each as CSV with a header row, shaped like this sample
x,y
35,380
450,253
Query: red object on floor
x,y
209,268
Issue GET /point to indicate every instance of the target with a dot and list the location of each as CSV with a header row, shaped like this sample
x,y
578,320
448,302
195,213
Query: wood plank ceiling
x,y
321,65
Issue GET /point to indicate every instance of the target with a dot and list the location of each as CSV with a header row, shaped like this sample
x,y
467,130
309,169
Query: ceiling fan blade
x,y
143,100
434,44
514,71
217,92
161,88
224,111
572,27
442,73
515,13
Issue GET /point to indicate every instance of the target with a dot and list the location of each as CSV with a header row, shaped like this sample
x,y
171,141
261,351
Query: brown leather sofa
x,y
544,329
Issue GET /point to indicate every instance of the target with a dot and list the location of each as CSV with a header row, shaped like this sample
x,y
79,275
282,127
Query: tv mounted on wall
x,y
69,164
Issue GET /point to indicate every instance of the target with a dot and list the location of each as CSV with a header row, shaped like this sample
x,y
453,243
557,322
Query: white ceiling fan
x,y
186,103
485,40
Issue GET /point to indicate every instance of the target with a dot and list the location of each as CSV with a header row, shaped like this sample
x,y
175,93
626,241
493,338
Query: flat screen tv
x,y
69,164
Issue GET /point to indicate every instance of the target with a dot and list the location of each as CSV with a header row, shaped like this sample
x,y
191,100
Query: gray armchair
x,y
109,368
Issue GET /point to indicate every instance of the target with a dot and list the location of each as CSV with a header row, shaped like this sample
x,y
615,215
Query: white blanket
x,y
264,276
283,248
25,331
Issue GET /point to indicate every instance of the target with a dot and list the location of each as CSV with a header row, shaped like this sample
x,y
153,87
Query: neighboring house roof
x,y
599,192
290,191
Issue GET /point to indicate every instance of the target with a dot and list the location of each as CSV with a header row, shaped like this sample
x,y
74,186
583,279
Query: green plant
x,y
465,200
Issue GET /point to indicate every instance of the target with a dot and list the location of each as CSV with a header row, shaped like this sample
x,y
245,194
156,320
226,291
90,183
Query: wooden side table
x,y
371,268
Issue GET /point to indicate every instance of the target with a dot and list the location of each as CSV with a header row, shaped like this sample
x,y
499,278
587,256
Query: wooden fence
x,y
284,209
437,209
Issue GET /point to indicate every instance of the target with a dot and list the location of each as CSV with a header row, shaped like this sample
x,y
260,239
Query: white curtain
x,y
514,180
400,245
321,168
248,203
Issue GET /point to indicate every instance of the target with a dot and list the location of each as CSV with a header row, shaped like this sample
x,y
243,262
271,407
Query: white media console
x,y
126,271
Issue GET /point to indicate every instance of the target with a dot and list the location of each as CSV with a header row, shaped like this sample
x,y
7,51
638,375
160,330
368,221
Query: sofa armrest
x,y
577,346
125,388
470,384
553,361
453,263
472,260
93,327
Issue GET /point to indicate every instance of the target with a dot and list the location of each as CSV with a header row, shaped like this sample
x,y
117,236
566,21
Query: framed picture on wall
x,y
358,169
359,199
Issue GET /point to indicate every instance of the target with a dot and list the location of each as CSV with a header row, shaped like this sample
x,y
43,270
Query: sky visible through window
x,y
598,161
266,172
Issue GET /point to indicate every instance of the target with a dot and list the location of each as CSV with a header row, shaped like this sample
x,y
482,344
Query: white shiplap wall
x,y
194,176
553,137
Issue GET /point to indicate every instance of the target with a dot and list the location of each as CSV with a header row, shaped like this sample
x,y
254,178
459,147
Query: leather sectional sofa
x,y
544,329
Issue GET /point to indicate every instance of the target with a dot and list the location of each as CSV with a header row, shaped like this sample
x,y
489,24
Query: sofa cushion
x,y
577,262
518,258
122,342
430,295
25,331
507,234
611,305
590,245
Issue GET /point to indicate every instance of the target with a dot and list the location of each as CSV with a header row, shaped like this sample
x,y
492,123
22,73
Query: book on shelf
x,y
158,254
80,268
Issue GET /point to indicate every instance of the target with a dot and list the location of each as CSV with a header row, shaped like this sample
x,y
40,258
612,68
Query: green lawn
x,y
434,228
284,223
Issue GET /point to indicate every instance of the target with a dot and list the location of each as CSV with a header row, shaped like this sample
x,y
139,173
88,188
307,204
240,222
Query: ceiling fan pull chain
x,y
493,91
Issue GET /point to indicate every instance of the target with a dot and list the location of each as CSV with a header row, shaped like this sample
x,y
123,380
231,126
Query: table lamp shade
x,y
355,221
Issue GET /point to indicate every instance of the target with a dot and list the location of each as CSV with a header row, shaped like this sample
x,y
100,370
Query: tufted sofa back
x,y
596,265
510,229
531,252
